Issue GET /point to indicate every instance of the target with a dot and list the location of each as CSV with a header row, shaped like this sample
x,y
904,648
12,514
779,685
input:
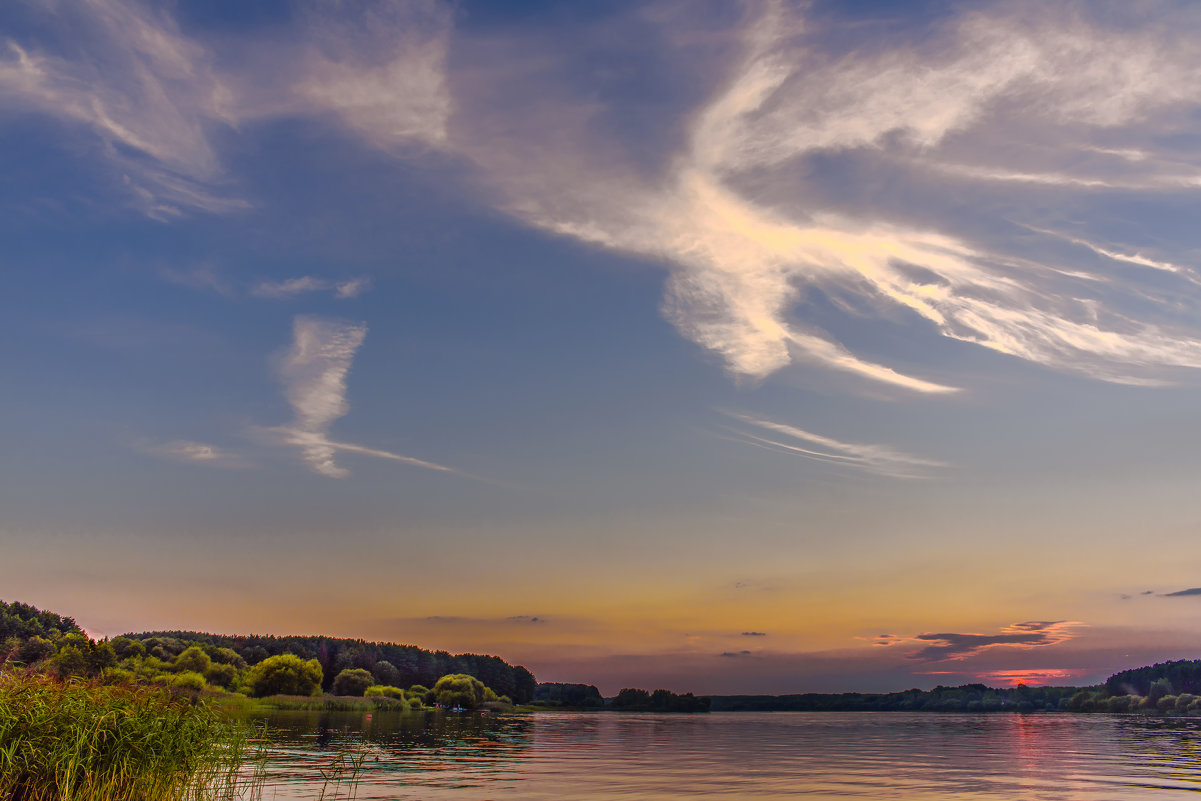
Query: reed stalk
x,y
75,740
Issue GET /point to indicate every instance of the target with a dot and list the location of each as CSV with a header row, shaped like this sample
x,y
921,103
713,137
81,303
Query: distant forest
x,y
399,665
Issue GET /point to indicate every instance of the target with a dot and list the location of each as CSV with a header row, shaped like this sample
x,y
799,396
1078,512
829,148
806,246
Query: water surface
x,y
735,755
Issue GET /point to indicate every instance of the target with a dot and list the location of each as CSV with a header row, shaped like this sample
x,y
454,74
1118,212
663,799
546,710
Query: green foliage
x,y
227,656
126,648
285,674
386,673
459,689
940,699
23,621
79,656
352,681
412,665
574,695
385,691
76,741
631,699
194,659
221,675
188,680
31,651
1182,676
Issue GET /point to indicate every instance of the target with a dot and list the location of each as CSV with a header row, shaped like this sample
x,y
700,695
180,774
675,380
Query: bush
x,y
459,689
193,659
286,674
222,675
385,691
188,680
32,651
352,681
386,673
120,676
126,648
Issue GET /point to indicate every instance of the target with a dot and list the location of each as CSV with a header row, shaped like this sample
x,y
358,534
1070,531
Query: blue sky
x,y
599,335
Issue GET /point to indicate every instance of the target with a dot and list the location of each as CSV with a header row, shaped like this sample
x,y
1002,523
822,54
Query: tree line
x,y
389,664
260,666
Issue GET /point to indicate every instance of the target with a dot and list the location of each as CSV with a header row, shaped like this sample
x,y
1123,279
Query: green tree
x,y
459,689
286,674
352,681
32,651
221,674
194,659
386,673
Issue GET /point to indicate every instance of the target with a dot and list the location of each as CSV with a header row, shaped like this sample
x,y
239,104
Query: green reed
x,y
75,740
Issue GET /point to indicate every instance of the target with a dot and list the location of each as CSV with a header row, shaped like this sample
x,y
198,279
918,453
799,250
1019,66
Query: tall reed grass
x,y
75,740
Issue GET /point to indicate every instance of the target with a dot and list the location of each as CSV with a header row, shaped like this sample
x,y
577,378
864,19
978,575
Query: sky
x,y
756,347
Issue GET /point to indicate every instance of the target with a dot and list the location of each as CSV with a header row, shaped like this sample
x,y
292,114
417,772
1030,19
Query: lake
x,y
733,755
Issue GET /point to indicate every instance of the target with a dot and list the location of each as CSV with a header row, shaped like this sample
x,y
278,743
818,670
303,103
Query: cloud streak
x,y
879,459
293,287
194,453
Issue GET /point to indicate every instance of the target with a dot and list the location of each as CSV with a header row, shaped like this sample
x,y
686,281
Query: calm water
x,y
752,755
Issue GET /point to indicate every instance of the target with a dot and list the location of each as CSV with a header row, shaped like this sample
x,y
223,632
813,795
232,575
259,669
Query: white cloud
x,y
748,235
153,97
195,453
314,376
145,91
871,458
291,287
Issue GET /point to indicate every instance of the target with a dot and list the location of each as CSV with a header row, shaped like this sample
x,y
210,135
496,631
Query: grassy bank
x,y
75,740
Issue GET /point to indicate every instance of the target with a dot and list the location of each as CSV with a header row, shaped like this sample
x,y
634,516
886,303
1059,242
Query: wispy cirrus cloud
x,y
146,92
736,197
154,97
292,287
750,229
201,453
879,459
958,645
314,373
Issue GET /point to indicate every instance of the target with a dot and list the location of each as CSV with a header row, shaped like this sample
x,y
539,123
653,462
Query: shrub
x,y
459,689
120,676
286,674
222,675
126,648
352,681
386,673
193,659
188,680
32,651
385,691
